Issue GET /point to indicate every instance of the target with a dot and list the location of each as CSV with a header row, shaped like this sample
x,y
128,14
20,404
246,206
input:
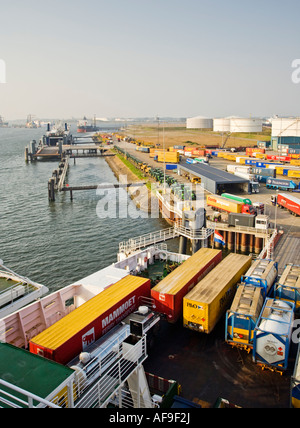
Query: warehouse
x,y
214,180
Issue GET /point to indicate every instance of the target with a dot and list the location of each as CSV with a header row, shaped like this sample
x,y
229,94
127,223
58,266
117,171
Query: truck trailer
x,y
169,293
279,184
206,303
289,202
75,332
288,285
223,204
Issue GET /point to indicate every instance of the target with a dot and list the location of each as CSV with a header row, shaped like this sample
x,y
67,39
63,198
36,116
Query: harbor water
x,y
57,243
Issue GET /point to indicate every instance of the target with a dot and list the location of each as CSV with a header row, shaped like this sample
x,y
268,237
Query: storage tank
x,y
272,336
222,125
199,122
286,127
245,125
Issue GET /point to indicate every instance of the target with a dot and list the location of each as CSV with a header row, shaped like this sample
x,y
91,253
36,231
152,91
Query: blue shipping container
x,y
171,167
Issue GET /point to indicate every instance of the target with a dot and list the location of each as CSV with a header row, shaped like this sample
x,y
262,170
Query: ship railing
x,y
14,397
194,234
147,240
239,229
111,372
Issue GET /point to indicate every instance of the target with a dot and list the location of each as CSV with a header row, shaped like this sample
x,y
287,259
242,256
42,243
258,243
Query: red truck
x,y
291,203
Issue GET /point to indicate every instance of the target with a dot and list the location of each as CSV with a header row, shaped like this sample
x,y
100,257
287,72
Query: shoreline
x,y
142,197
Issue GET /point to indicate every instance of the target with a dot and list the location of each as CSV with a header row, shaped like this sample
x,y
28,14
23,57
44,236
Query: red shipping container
x,y
199,152
67,338
279,158
169,293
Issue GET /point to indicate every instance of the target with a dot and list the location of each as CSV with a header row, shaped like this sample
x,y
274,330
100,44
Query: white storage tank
x,y
249,125
199,122
286,127
222,125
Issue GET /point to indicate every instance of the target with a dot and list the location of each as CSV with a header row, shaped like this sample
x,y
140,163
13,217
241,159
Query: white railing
x,y
194,234
113,369
239,229
17,398
147,240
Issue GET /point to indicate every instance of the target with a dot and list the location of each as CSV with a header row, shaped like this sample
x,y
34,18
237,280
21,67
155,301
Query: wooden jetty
x,y
57,183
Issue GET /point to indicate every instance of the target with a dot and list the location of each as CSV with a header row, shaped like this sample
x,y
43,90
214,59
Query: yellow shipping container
x,y
207,302
279,170
294,173
295,162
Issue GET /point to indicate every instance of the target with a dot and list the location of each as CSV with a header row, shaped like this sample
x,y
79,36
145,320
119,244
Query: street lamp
x,y
236,221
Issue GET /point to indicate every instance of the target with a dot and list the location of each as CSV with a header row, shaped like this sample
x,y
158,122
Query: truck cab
x,y
262,222
248,209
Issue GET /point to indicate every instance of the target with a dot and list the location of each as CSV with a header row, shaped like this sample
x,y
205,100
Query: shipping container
x,y
272,335
288,286
279,158
168,294
245,220
262,274
294,173
75,332
207,302
242,318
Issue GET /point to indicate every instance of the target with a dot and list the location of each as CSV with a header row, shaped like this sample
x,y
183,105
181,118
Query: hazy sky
x,y
136,58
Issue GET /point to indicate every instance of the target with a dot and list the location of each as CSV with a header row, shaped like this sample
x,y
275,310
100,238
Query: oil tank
x,y
245,125
199,122
272,336
222,125
286,127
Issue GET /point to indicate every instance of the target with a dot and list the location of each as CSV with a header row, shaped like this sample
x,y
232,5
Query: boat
x,y
2,123
83,126
16,291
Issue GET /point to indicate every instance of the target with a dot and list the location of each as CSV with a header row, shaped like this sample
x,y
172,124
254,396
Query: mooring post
x,y
51,191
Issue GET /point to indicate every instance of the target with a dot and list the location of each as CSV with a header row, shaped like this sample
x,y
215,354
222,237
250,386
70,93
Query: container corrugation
x,y
206,303
168,294
72,334
243,315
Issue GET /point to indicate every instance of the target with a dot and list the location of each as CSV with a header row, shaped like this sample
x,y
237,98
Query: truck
x,y
254,184
246,220
262,174
279,184
288,202
219,203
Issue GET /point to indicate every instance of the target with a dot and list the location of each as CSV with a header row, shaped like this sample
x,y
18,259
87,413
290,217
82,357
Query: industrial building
x,y
214,180
199,122
238,125
286,134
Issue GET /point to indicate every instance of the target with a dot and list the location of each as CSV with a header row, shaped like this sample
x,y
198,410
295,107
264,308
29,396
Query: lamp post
x,y
236,221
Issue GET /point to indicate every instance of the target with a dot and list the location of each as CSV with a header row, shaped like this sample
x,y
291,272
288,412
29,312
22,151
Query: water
x,y
56,243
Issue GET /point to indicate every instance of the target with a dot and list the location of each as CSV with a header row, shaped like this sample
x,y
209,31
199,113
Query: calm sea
x,y
56,243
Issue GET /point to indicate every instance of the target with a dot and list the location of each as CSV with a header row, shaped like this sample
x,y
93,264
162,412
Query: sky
x,y
142,58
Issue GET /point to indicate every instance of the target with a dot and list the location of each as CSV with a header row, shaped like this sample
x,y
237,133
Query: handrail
x,y
18,402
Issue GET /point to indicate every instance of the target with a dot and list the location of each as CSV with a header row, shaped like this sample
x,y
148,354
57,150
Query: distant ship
x,y
83,127
2,123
